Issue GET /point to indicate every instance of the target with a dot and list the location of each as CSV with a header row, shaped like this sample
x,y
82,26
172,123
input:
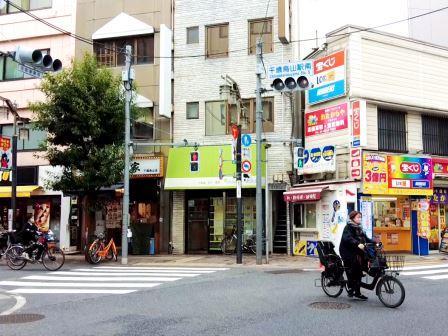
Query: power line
x,y
121,50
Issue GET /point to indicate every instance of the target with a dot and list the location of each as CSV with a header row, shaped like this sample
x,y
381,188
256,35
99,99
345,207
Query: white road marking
x,y
69,291
77,284
165,268
20,302
437,277
415,268
433,271
126,269
93,278
125,273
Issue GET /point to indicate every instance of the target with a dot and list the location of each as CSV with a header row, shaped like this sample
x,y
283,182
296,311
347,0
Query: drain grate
x,y
20,318
285,271
329,305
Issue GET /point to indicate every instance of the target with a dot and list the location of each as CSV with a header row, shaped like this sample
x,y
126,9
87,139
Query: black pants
x,y
35,247
354,273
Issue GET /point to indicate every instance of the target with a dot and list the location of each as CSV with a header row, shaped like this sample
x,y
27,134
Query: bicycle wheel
x,y
333,288
14,258
112,254
390,291
53,258
252,246
228,245
94,250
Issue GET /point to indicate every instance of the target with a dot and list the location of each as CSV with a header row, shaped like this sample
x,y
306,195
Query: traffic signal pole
x,y
259,119
239,202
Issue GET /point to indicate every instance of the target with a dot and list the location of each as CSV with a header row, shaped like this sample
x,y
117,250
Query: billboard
x,y
326,120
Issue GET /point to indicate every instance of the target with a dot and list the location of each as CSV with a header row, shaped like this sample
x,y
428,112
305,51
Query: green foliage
x,y
83,116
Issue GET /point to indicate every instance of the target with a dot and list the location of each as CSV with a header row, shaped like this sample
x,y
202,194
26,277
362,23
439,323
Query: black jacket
x,y
28,233
352,236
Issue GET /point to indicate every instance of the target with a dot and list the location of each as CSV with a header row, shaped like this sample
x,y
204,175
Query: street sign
x,y
30,71
246,140
296,69
246,166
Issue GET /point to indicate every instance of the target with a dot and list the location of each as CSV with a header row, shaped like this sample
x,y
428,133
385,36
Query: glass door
x,y
216,221
197,225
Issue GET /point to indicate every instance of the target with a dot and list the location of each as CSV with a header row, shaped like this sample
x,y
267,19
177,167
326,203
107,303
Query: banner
x,y
319,160
424,229
397,175
327,120
42,216
367,218
359,123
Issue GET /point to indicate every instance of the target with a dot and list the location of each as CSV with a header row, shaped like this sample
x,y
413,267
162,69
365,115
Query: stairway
x,y
280,235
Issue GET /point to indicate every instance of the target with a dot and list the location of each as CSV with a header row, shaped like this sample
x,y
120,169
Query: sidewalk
x,y
275,260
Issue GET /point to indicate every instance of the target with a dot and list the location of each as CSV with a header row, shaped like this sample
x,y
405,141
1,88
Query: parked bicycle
x,y
46,252
228,244
98,250
383,269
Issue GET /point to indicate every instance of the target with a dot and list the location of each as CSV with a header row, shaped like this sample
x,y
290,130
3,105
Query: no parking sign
x,y
246,166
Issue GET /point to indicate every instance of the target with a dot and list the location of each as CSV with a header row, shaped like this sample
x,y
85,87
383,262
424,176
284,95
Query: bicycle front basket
x,y
395,262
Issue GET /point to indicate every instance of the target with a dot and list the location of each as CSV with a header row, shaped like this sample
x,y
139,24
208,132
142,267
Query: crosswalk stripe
x,y
69,291
165,268
77,284
125,269
125,273
436,277
433,271
414,268
96,278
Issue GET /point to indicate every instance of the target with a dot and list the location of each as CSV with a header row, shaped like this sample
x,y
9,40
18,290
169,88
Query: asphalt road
x,y
236,301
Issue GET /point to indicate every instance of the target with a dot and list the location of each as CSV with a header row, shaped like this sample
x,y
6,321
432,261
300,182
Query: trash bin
x,y
152,246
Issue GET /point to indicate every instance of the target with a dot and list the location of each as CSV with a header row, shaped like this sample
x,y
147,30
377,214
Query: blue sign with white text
x,y
326,92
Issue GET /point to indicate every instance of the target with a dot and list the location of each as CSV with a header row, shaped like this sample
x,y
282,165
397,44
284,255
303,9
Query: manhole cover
x,y
285,271
329,305
20,318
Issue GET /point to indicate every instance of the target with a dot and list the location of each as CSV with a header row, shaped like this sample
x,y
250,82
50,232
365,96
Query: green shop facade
x,y
203,184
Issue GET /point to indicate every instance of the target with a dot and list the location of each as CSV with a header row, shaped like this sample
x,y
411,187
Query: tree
x,y
83,115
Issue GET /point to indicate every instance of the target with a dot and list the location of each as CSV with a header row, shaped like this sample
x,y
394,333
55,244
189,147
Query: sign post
x,y
236,137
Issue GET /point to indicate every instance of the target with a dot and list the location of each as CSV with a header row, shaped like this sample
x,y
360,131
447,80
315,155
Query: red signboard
x,y
329,62
326,120
355,163
356,126
440,166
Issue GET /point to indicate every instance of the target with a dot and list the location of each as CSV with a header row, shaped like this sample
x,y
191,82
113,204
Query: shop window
x,y
192,35
392,131
10,7
305,216
111,53
260,28
433,132
193,110
27,175
217,38
219,117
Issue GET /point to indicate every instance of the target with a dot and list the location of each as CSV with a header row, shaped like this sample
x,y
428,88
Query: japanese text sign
x,y
440,166
327,120
329,78
296,69
374,174
6,154
319,160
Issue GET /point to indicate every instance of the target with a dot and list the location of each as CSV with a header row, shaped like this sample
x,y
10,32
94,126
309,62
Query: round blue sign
x,y
315,155
328,153
246,140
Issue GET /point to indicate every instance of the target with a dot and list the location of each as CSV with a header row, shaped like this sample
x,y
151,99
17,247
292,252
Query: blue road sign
x,y
246,140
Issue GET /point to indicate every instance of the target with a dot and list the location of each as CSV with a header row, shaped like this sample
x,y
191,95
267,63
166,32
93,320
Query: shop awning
x,y
21,191
304,194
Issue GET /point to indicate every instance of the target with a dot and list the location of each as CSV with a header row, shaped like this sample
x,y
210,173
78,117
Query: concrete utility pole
x,y
259,119
239,201
127,78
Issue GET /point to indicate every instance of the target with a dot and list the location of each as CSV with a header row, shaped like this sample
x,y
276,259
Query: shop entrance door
x,y
197,225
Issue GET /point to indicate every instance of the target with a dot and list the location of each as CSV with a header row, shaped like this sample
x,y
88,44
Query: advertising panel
x,y
327,120
319,160
329,78
355,163
397,175
359,123
440,166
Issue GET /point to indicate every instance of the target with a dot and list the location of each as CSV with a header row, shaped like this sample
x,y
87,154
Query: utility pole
x,y
259,119
127,77
239,202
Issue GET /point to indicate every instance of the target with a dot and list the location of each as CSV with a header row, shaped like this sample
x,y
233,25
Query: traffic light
x,y
194,161
299,159
36,59
289,84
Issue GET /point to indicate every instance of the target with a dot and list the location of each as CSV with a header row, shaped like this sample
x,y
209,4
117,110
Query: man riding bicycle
x,y
352,251
29,237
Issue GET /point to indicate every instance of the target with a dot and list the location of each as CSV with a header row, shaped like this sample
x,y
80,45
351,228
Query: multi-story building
x,y
213,41
18,28
379,102
147,27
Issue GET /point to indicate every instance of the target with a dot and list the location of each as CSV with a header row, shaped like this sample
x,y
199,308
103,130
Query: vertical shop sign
x,y
359,123
375,174
327,120
329,79
367,223
355,163
424,229
6,158
410,175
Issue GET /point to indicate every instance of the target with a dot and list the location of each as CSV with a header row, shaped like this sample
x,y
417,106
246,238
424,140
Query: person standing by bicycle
x,y
352,253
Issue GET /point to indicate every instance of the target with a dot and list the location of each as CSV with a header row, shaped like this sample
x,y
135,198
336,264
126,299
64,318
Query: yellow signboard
x,y
374,174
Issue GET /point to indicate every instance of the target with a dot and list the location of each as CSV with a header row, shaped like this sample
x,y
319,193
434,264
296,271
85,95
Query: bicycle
x,y
384,270
46,252
98,250
228,244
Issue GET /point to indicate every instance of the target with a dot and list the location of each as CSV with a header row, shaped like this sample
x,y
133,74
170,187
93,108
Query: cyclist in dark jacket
x,y
28,235
351,250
